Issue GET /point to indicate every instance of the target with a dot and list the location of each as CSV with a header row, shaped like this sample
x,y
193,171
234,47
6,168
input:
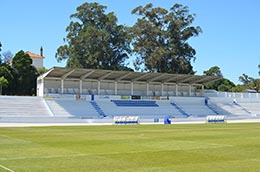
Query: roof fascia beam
x,y
45,74
86,75
140,77
172,78
157,77
67,74
185,80
104,76
123,76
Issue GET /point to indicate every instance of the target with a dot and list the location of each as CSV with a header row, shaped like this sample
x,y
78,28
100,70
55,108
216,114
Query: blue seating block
x,y
135,103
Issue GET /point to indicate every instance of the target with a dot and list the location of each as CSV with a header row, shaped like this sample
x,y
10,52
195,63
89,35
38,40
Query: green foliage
x,y
245,79
239,88
213,71
256,85
159,39
258,69
3,82
225,85
139,148
0,53
19,76
253,85
7,56
25,74
248,83
221,85
7,72
41,70
95,40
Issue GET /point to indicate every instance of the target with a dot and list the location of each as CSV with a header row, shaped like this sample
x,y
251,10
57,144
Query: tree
x,y
245,79
25,74
41,70
95,40
256,85
7,56
7,73
259,69
213,71
239,88
3,84
221,85
159,39
225,85
0,53
6,76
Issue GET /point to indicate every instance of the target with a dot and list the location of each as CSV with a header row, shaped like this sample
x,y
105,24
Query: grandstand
x,y
23,106
104,82
92,96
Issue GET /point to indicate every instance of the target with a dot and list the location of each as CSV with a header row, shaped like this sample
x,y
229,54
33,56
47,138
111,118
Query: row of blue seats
x,y
138,103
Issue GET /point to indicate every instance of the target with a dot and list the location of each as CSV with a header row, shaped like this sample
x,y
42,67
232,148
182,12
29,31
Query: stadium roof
x,y
127,76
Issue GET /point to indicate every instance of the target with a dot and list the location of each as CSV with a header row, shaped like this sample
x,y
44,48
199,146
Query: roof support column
x,y
202,90
40,87
132,88
80,86
98,91
115,87
62,86
147,88
162,89
176,90
189,89
43,86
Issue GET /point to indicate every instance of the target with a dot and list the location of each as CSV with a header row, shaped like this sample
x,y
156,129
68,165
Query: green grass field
x,y
137,148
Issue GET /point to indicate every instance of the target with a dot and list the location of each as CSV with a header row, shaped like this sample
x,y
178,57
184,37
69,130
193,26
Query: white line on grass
x,y
15,139
8,169
216,146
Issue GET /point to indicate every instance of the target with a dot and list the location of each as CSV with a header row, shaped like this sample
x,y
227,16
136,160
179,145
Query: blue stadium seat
x,y
135,103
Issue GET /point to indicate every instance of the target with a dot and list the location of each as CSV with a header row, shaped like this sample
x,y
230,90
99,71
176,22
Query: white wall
x,y
37,62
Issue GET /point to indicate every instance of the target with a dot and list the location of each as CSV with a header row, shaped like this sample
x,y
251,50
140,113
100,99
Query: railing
x,y
234,95
98,109
180,109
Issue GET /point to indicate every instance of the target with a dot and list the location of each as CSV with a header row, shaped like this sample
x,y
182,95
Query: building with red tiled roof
x,y
37,60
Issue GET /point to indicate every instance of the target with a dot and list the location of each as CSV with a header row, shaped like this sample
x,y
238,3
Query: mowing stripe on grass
x,y
14,139
214,146
8,169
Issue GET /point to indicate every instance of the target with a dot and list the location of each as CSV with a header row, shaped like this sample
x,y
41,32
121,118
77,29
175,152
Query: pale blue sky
x,y
229,39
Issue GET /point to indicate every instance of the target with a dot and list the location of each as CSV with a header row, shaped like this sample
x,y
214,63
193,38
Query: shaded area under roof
x,y
127,76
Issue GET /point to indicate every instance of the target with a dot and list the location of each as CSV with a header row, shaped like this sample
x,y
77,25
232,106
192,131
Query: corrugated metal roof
x,y
127,76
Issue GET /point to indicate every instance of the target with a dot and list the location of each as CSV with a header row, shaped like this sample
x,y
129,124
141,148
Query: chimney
x,y
41,51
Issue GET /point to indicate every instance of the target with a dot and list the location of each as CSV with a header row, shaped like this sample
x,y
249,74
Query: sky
x,y
230,37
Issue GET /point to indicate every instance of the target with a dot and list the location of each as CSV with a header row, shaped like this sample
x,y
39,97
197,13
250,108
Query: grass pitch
x,y
136,148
